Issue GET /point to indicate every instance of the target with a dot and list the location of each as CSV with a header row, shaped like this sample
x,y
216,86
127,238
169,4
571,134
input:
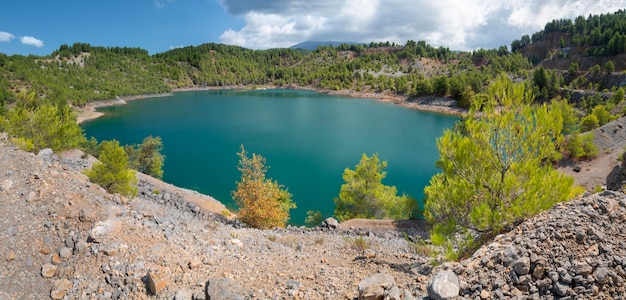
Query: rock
x,y
81,247
222,289
87,215
32,196
6,185
331,223
393,294
45,154
183,295
601,275
576,168
445,285
560,288
48,270
538,271
101,231
11,256
509,256
374,287
60,288
158,279
194,263
522,266
293,284
65,253
582,268
55,259
236,242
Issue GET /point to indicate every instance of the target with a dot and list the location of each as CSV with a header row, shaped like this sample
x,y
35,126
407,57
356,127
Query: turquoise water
x,y
307,138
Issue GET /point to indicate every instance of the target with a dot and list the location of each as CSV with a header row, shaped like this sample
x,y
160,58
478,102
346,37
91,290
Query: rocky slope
x,y
66,238
62,237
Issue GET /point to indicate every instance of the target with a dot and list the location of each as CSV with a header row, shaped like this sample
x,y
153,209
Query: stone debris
x,y
73,240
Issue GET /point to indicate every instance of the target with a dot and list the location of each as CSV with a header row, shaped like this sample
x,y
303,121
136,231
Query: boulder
x,y
60,288
158,279
331,223
445,285
222,289
45,154
375,287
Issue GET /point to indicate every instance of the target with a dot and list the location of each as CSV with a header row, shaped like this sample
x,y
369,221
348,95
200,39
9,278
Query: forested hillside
x,y
581,60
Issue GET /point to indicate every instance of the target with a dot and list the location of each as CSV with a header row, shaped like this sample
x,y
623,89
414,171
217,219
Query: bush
x,y
363,195
41,125
313,218
112,172
580,146
263,203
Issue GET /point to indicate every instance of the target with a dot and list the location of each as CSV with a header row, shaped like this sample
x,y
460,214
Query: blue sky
x,y
40,27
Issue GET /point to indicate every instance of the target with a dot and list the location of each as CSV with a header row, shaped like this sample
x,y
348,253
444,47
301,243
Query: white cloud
x,y
32,41
457,24
6,37
176,46
160,4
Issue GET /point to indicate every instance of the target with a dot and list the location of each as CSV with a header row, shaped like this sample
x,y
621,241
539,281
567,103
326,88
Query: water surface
x,y
307,138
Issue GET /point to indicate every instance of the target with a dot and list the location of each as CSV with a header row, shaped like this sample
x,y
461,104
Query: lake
x,y
308,140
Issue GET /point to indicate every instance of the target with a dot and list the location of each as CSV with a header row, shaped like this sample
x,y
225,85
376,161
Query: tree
x,y
263,203
112,172
589,122
609,67
573,69
603,115
568,115
147,157
363,195
497,171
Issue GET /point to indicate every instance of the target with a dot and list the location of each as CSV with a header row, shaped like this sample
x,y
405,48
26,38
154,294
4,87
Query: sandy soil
x,y
611,142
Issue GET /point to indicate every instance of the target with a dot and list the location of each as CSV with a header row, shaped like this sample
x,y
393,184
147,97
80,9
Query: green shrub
x,y
43,126
580,146
112,172
313,218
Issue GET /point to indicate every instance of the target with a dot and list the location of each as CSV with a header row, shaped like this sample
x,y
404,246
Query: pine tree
x,y
263,203
112,172
363,195
496,172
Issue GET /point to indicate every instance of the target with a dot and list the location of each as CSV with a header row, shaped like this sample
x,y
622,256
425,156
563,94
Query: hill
x,y
312,45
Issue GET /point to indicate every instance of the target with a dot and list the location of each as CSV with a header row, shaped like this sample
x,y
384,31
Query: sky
x,y
39,27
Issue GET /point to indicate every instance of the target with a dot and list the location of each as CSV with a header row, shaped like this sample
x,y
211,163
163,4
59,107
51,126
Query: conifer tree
x,y
497,171
112,172
263,203
363,195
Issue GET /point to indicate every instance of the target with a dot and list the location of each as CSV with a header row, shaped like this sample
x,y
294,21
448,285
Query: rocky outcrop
x,y
576,249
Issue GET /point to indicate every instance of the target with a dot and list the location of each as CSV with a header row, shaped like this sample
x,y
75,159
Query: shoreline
x,y
432,104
